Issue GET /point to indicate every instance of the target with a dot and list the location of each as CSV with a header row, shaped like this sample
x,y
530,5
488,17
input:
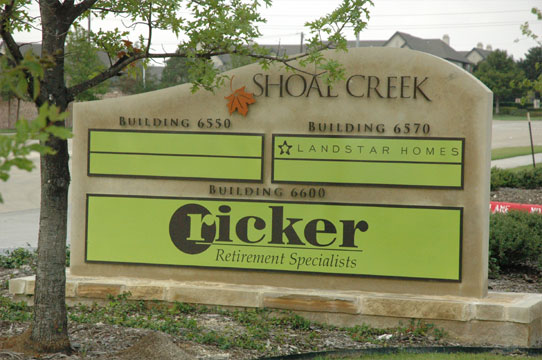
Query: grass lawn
x,y
407,356
508,152
516,117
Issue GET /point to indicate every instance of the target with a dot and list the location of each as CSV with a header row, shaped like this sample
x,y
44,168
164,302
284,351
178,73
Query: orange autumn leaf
x,y
239,100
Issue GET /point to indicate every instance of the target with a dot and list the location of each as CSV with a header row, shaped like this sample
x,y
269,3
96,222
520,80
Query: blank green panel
x,y
176,143
378,173
175,166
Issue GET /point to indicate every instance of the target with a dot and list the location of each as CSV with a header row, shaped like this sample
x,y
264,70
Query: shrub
x,y
526,179
530,179
17,258
502,178
515,239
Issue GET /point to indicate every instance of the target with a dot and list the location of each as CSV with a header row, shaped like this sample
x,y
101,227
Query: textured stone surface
x,y
17,286
214,296
148,292
509,319
312,303
416,308
97,290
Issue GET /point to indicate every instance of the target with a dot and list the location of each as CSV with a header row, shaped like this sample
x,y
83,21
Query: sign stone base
x,y
508,319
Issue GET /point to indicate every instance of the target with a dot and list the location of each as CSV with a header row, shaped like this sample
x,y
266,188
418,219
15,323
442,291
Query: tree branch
x,y
116,68
82,7
7,35
149,23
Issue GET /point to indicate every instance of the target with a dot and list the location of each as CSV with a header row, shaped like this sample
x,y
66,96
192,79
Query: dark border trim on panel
x,y
259,181
460,260
462,163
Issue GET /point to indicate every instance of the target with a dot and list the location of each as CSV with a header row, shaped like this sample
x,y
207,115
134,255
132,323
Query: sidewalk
x,y
517,161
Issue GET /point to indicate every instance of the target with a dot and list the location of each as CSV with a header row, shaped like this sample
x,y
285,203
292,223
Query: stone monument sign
x,y
365,202
377,183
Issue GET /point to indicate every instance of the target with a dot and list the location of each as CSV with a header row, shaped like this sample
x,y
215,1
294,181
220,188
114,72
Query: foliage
x,y
514,240
526,30
82,63
14,149
529,64
498,71
175,72
532,65
238,61
530,178
138,81
514,111
17,258
247,328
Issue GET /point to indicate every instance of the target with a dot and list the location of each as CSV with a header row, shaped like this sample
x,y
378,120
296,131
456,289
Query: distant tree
x,y
82,64
529,64
176,72
138,80
533,60
238,61
499,72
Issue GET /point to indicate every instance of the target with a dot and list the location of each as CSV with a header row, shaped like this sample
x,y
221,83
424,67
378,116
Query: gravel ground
x,y
102,341
521,196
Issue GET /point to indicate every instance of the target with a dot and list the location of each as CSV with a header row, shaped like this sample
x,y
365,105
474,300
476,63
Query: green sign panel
x,y
351,239
212,156
388,161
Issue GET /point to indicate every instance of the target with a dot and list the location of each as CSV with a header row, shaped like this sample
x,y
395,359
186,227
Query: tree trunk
x,y
50,326
49,331
18,110
9,113
497,110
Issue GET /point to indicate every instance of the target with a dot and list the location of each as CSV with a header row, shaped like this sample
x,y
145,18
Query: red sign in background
x,y
504,207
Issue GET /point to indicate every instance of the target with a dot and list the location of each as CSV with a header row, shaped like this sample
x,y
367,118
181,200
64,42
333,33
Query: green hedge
x,y
515,239
524,179
510,110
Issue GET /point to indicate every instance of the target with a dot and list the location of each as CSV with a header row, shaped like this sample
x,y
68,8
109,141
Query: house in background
x,y
478,53
438,47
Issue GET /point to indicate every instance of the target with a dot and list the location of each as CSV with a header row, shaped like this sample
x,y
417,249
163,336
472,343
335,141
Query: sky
x,y
467,22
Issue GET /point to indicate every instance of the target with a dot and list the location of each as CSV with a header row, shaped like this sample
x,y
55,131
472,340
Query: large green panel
x,y
411,242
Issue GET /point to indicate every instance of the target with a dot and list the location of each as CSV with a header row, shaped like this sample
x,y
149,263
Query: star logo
x,y
285,148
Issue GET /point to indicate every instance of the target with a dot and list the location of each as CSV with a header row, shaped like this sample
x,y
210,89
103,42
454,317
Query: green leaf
x,y
42,149
23,163
59,131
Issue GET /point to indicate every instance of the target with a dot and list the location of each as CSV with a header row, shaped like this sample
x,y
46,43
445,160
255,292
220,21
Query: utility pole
x,y
301,44
88,33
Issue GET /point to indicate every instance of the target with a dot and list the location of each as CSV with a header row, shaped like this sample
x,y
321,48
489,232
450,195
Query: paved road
x,y
515,133
19,215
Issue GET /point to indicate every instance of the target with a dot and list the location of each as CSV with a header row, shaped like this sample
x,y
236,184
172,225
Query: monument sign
x,y
377,183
